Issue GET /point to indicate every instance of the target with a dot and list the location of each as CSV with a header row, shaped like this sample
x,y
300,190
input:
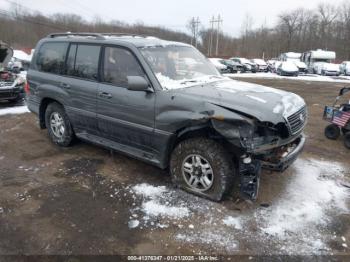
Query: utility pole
x,y
196,29
219,22
212,21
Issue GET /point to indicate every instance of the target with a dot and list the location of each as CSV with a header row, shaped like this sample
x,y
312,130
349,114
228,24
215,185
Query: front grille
x,y
297,121
6,84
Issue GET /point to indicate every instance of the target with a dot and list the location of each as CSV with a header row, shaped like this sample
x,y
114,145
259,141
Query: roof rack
x,y
96,35
100,36
122,34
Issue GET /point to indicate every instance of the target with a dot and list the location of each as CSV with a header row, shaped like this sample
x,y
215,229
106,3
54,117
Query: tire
x,y
217,157
332,131
67,135
347,140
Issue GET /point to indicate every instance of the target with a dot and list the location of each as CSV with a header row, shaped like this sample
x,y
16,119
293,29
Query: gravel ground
x,y
87,200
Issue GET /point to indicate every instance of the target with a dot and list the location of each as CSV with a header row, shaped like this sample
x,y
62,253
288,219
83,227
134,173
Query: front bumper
x,y
284,162
11,93
331,73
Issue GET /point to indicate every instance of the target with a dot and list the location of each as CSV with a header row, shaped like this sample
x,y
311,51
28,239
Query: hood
x,y
263,103
289,67
331,67
6,54
300,64
260,62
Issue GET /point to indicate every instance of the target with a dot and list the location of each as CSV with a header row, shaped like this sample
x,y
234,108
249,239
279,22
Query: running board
x,y
121,148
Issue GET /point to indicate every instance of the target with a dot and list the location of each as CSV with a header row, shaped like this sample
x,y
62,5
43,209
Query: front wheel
x,y
202,167
58,125
332,131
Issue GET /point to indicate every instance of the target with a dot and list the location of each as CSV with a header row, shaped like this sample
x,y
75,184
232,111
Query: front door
x,y
124,116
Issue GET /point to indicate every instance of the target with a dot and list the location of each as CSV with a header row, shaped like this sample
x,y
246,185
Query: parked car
x,y
326,69
11,83
271,65
261,65
233,66
248,66
301,66
287,69
125,93
345,68
220,66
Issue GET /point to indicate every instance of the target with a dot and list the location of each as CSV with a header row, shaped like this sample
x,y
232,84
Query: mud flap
x,y
250,179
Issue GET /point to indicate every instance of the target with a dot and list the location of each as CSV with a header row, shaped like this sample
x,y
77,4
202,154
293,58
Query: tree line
x,y
327,26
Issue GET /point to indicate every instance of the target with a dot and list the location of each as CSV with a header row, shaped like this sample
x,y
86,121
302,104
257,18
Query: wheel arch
x,y
42,109
205,130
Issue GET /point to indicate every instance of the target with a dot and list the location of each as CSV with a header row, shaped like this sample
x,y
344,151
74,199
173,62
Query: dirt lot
x,y
87,200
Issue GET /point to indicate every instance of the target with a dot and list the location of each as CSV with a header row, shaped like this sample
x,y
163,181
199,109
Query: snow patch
x,y
154,208
156,202
307,77
14,110
147,190
133,223
232,222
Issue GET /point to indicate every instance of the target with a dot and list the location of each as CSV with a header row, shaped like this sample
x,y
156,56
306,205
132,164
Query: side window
x,y
82,61
51,57
118,64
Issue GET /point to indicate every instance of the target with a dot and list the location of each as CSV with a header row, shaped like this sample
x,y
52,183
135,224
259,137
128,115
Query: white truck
x,y
318,60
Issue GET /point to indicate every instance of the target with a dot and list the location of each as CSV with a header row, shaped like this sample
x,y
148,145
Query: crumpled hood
x,y
6,54
264,103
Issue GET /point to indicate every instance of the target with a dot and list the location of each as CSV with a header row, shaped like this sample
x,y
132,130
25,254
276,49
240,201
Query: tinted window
x,y
118,64
51,57
82,61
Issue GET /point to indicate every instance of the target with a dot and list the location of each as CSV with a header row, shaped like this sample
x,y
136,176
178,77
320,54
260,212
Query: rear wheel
x,y
347,140
202,167
58,125
332,131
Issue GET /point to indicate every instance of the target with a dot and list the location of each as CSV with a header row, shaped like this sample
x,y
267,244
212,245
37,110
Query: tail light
x,y
26,87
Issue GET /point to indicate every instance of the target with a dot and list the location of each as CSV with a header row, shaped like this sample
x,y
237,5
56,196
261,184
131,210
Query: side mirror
x,y
138,83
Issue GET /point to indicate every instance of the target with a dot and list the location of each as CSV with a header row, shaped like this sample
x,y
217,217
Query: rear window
x,y
83,61
51,57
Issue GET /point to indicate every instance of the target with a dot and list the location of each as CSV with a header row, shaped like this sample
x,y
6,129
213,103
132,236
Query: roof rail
x,y
96,35
122,34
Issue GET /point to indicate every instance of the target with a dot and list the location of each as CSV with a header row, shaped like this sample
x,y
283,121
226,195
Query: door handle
x,y
105,94
65,85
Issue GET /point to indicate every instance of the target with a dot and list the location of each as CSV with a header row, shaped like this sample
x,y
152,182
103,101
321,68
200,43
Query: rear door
x,y
81,83
124,116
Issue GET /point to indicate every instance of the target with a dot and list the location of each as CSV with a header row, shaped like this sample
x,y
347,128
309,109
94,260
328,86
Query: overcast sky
x,y
174,13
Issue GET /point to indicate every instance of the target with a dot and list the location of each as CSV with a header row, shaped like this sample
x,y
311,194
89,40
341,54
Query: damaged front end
x,y
260,145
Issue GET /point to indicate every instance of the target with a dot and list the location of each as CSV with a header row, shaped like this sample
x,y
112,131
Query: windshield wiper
x,y
188,81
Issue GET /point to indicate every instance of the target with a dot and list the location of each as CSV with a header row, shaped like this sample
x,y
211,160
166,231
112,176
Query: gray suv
x,y
164,103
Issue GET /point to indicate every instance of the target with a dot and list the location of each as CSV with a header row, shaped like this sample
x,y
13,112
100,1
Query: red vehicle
x,y
339,117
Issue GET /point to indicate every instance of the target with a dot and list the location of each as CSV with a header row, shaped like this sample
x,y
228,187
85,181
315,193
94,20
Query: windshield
x,y
179,66
292,59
